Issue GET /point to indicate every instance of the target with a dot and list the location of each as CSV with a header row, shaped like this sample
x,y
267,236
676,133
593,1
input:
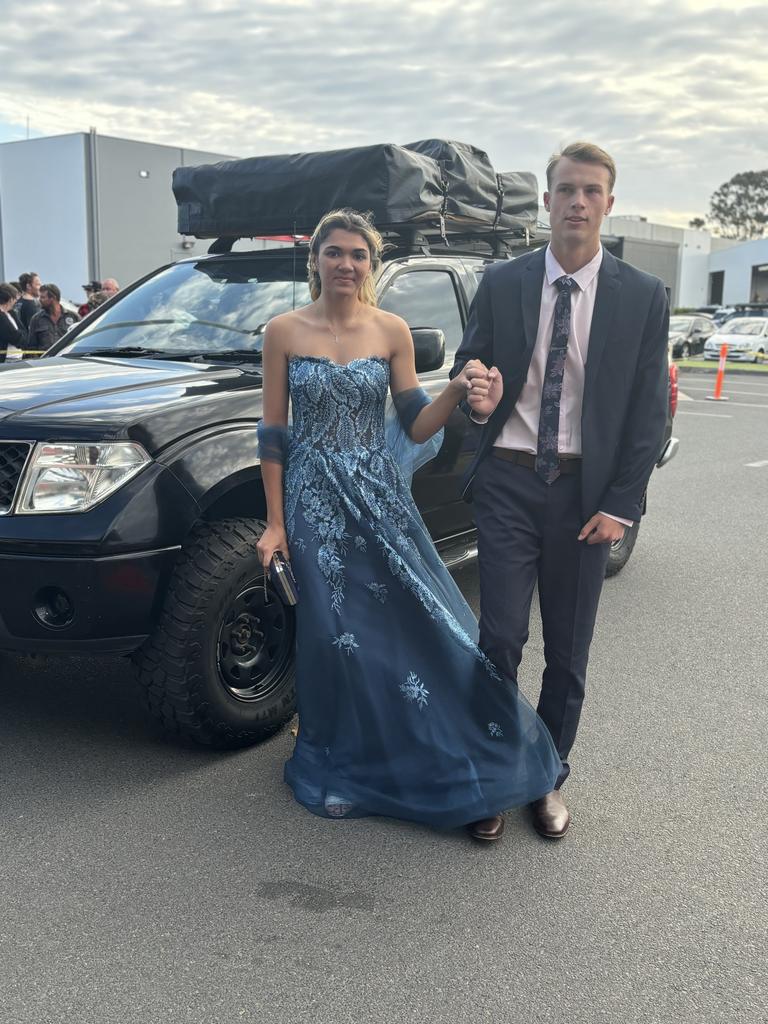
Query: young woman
x,y
400,712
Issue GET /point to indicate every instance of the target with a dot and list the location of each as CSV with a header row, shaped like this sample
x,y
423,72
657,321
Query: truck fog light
x,y
53,608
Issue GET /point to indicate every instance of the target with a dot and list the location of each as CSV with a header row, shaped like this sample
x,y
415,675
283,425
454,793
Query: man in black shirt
x,y
29,303
51,323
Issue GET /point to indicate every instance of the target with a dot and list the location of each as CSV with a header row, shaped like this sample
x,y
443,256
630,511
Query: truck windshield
x,y
209,307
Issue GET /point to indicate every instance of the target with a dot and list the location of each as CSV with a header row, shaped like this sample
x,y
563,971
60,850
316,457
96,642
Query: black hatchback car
x,y
688,334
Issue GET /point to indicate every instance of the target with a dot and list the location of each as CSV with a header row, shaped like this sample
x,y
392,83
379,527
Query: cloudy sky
x,y
676,90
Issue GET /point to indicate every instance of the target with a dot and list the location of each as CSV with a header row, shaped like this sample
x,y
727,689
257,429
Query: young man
x,y
51,323
574,424
29,302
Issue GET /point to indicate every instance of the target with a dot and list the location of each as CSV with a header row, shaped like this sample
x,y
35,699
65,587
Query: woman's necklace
x,y
330,327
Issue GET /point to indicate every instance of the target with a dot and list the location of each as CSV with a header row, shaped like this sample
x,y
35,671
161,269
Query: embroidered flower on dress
x,y
378,590
413,689
495,730
346,642
360,544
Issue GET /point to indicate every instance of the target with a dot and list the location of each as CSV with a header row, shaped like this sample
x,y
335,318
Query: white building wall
x,y
737,263
43,212
693,269
694,248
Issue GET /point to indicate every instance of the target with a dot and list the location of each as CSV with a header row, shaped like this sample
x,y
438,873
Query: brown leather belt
x,y
566,464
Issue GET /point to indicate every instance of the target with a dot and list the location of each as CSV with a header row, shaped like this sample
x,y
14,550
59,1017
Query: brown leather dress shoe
x,y
488,829
551,817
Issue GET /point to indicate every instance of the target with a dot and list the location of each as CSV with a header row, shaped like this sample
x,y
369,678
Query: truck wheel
x,y
219,666
620,551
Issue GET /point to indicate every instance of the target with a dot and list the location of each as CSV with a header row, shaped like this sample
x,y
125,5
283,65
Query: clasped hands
x,y
484,387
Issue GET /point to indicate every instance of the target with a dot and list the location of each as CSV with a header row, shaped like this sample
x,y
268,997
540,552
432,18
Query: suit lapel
x,y
516,361
606,302
530,286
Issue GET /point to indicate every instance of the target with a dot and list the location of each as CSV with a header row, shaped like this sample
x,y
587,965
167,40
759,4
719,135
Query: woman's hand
x,y
273,539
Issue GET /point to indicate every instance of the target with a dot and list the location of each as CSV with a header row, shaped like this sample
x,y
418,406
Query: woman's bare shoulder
x,y
289,321
281,328
392,324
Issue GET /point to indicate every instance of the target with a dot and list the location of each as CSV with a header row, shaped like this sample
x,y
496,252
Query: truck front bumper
x,y
71,604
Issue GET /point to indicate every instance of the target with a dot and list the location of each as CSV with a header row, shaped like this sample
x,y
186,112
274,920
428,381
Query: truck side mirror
x,y
429,344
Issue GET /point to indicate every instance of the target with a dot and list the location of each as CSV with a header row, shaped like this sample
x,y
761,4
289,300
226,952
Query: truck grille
x,y
13,455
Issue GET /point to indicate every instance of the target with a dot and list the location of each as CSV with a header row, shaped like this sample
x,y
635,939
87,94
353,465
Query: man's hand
x,y
484,387
601,530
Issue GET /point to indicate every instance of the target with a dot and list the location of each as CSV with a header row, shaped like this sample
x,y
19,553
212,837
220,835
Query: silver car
x,y
746,338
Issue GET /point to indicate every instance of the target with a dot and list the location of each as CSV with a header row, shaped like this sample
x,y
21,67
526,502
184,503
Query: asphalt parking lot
x,y
143,880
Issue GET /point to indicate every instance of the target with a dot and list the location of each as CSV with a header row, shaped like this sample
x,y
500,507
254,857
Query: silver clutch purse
x,y
282,579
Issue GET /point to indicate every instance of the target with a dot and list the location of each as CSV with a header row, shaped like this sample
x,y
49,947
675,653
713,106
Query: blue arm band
x,y
273,442
408,405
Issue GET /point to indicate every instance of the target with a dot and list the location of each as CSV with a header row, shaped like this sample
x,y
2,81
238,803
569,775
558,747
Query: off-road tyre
x,y
620,550
218,668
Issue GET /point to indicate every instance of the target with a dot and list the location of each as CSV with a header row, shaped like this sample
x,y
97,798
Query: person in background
x,y
51,323
110,286
89,289
29,302
96,299
11,332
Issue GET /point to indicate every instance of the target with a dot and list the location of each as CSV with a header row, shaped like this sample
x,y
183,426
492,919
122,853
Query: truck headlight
x,y
75,477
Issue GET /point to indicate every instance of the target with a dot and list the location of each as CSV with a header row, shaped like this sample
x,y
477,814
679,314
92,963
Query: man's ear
x,y
610,205
546,201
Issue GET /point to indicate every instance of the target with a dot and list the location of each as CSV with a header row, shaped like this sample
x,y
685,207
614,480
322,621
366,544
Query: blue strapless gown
x,y
400,712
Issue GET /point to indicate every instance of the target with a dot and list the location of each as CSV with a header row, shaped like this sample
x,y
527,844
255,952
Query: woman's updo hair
x,y
359,224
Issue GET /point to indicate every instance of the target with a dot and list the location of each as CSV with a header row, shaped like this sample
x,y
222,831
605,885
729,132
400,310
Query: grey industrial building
x,y
81,207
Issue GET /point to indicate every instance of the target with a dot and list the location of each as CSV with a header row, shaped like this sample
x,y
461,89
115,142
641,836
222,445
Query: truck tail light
x,y
672,389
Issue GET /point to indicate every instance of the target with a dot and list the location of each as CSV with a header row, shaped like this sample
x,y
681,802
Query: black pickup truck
x,y
130,488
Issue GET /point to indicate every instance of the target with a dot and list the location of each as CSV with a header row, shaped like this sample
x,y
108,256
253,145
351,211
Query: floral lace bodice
x,y
338,407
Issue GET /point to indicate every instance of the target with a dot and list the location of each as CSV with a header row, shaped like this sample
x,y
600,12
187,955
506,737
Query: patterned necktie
x,y
549,416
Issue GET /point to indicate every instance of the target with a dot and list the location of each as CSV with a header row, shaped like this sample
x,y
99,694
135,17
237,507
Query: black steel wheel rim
x,y
255,643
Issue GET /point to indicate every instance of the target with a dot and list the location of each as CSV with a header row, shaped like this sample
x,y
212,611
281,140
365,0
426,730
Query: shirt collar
x,y
583,277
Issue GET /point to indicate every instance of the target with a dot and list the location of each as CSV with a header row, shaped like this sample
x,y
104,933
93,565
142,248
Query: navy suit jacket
x,y
626,385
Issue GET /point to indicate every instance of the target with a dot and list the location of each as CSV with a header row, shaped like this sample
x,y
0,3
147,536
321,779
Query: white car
x,y
746,338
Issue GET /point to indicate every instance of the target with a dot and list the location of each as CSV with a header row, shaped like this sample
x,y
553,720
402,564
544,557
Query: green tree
x,y
739,208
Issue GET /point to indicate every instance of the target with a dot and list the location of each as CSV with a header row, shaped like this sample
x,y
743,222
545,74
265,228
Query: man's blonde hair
x,y
358,224
585,153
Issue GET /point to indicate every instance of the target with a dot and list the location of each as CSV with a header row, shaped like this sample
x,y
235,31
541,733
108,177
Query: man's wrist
x,y
617,519
477,418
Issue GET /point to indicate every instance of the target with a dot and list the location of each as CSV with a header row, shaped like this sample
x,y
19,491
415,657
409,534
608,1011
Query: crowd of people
x,y
32,316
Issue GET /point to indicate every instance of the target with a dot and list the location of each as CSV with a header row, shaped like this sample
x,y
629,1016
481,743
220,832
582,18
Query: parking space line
x,y
752,394
745,405
756,465
713,415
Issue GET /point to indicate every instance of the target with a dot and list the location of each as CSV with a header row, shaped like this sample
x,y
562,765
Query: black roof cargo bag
x,y
446,186
270,195
476,195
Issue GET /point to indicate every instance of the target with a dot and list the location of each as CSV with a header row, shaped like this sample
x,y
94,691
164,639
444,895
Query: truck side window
x,y
427,298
